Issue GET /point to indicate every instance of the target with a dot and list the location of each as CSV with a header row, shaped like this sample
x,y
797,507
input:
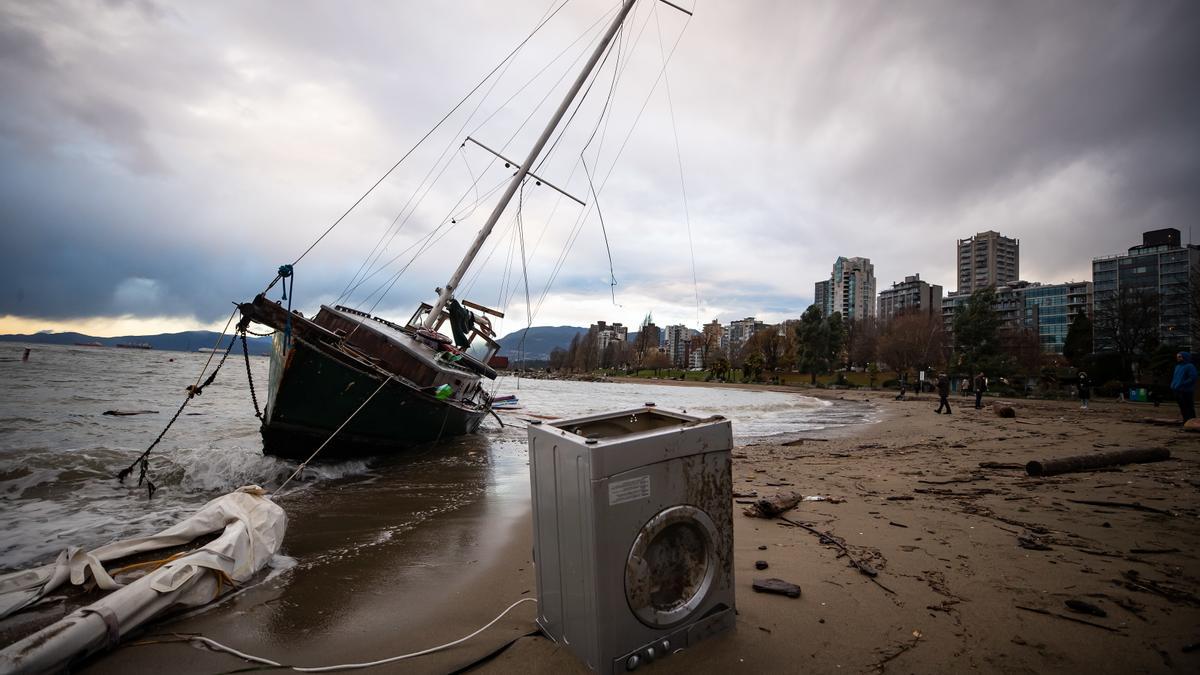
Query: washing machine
x,y
633,533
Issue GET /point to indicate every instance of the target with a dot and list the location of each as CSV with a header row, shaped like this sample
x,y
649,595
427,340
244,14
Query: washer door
x,y
671,566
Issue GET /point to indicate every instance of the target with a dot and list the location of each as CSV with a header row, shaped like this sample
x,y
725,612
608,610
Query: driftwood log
x,y
1003,410
1192,425
1052,467
769,507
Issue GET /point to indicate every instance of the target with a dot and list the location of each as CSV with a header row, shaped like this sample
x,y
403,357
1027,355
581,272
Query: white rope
x,y
352,666
335,433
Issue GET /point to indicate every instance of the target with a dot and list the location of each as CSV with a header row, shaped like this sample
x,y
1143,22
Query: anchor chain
x,y
193,391
250,376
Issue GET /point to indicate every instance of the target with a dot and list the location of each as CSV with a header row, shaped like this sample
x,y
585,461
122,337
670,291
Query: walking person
x,y
1085,389
943,390
1184,385
903,386
980,387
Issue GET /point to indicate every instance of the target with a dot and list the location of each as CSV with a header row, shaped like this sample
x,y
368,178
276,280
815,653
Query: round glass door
x,y
671,566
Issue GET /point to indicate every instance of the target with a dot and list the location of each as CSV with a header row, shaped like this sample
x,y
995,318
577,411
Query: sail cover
x,y
251,527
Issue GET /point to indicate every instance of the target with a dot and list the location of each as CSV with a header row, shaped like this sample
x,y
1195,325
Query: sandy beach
x,y
955,588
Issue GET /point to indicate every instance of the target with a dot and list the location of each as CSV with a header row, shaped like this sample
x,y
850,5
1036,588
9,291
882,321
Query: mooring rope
x,y
303,464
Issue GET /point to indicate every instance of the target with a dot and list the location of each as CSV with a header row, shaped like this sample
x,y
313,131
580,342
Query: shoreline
x,y
955,588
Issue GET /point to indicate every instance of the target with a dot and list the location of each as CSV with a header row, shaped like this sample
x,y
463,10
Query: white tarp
x,y
253,528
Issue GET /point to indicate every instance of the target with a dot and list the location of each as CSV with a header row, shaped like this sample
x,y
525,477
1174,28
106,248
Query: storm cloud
x,y
163,159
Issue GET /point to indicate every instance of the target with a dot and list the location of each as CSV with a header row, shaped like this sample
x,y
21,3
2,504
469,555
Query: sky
x,y
159,161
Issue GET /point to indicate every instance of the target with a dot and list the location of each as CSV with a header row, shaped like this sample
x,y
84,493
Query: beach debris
x,y
1032,542
1085,607
769,507
1004,410
1192,424
1123,505
1068,618
760,564
880,665
126,413
1157,421
895,524
1053,467
963,479
762,547
828,539
1136,582
776,586
1001,465
1150,551
900,498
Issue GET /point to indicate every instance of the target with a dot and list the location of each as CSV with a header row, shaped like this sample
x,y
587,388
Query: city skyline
x,y
172,160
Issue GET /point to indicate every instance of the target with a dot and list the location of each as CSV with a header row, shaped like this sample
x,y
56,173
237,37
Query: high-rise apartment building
x,y
740,332
822,297
1049,309
910,295
987,259
676,347
850,289
1163,266
608,333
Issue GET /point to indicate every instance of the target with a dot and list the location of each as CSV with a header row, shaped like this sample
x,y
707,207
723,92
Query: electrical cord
x,y
351,666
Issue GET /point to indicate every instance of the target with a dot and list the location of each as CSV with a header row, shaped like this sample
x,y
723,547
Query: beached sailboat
x,y
353,383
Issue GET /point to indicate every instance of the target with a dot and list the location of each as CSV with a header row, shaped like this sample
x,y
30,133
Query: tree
x,y
818,341
1127,325
862,341
911,340
558,358
1078,344
977,333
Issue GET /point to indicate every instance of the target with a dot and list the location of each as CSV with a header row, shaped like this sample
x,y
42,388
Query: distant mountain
x,y
540,342
188,341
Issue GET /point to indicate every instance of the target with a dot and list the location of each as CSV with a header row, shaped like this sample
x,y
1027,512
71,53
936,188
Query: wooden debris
x,y
1068,618
966,479
1084,607
1122,505
1053,467
830,540
776,586
900,498
126,413
769,507
1003,410
1001,465
1135,582
1192,425
1032,542
760,564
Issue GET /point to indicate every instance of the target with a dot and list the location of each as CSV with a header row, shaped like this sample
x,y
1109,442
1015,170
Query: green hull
x,y
312,394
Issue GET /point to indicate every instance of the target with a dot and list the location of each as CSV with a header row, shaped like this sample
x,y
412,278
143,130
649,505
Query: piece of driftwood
x,y
769,507
965,479
1068,618
1001,465
1085,607
776,586
1136,506
1053,467
1003,410
826,538
1159,421
127,413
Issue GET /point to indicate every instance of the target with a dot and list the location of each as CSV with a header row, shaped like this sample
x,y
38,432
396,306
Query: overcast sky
x,y
160,160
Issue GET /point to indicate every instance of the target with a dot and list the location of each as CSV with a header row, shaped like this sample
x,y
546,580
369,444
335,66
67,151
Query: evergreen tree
x,y
1078,345
977,333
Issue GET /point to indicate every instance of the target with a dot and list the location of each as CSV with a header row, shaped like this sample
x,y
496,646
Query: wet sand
x,y
955,590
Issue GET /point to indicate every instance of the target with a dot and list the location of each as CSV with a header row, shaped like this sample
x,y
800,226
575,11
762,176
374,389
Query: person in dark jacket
x,y
903,386
943,389
980,385
1085,389
1184,385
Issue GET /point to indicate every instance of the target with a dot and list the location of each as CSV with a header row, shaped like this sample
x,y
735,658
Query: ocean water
x,y
59,454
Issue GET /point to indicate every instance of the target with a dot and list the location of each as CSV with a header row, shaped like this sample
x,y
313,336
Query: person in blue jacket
x,y
1184,385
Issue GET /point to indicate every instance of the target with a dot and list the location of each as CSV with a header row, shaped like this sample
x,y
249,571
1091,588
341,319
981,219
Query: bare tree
x,y
911,340
1126,324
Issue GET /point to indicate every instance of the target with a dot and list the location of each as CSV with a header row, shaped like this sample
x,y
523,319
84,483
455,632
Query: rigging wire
x,y
427,134
612,287
679,159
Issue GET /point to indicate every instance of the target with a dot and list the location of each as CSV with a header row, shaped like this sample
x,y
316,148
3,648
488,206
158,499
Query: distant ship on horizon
x,y
134,345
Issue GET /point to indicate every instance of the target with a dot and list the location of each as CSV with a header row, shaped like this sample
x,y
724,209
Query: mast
x,y
447,291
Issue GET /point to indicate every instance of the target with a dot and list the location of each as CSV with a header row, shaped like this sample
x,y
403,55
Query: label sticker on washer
x,y
629,490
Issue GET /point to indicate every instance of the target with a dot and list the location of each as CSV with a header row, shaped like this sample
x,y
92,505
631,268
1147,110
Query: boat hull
x,y
313,395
